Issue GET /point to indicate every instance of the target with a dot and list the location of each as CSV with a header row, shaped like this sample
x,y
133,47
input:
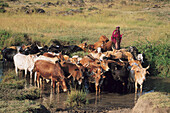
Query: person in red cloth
x,y
116,37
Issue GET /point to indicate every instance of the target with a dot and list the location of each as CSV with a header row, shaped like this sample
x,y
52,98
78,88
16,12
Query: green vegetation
x,y
13,96
157,54
76,98
9,39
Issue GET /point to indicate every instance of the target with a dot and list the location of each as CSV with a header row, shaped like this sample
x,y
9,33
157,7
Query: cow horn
x,y
77,65
147,67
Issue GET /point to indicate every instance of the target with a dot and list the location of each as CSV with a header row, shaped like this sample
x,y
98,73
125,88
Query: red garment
x,y
116,34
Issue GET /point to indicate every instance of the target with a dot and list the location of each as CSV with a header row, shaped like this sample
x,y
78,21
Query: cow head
x,y
80,72
104,65
63,85
140,74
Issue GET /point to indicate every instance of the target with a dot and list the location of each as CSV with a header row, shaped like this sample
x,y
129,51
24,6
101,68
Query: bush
x,y
76,98
4,4
157,55
31,93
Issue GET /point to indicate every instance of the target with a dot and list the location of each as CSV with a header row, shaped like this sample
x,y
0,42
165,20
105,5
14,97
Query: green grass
x,y
15,106
76,98
13,96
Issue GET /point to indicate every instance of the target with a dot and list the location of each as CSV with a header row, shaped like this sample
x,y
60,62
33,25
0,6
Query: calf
x,y
51,71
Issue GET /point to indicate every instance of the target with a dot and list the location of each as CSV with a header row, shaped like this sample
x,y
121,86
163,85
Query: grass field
x,y
138,21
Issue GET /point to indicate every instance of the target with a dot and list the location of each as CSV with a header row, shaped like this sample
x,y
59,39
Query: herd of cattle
x,y
103,68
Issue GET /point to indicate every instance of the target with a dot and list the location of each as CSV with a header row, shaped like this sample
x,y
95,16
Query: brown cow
x,y
48,70
94,46
83,46
74,70
91,61
107,46
103,39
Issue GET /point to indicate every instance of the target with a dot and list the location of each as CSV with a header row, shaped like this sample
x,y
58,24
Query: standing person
x,y
116,37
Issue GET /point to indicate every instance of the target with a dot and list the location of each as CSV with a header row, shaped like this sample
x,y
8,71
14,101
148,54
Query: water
x,y
104,102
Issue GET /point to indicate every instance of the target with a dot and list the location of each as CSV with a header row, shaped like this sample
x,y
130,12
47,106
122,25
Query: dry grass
x,y
136,22
159,100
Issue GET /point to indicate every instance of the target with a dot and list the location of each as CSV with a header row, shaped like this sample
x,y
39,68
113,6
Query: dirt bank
x,y
154,102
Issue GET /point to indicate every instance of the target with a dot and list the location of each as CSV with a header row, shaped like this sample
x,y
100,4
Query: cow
x,y
24,62
83,46
137,75
51,71
73,70
107,46
94,46
8,53
30,49
103,38
50,59
97,55
96,76
140,58
75,59
89,60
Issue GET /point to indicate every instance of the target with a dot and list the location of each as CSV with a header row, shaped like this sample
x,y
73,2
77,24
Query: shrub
x,y
4,4
76,98
31,93
157,55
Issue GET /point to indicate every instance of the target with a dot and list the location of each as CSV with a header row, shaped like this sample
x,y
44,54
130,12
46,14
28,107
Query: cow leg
x,y
30,77
58,87
99,90
25,72
136,87
141,89
16,71
96,89
53,81
31,74
38,80
35,77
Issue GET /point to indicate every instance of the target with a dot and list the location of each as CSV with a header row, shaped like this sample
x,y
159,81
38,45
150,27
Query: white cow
x,y
24,62
41,57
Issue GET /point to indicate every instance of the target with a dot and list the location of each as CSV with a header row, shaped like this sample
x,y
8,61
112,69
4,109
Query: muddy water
x,y
104,102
